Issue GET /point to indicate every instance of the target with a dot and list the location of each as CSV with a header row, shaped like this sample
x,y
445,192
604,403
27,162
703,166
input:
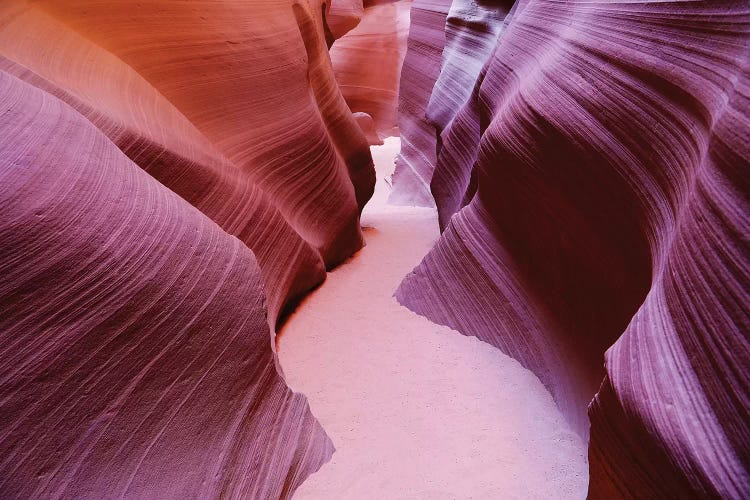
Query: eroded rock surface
x,y
135,348
593,188
173,177
416,161
367,62
367,125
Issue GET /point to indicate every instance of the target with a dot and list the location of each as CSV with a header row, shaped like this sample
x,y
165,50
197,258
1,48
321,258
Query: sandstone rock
x,y
602,163
368,128
416,160
127,369
367,62
471,32
343,16
148,136
263,93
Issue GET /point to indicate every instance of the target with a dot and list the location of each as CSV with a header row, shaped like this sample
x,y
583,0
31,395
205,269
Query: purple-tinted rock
x,y
126,367
602,164
416,160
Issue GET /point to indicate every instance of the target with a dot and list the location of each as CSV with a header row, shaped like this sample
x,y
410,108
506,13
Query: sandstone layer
x,y
173,177
593,190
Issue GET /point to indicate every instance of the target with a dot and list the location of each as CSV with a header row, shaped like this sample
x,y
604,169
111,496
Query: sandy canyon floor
x,y
417,410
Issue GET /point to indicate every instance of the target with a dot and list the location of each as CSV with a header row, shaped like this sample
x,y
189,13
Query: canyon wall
x,y
420,69
367,62
592,187
174,176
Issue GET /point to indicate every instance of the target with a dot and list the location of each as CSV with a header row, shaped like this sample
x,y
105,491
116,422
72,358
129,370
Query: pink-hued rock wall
x,y
367,125
342,16
367,62
173,178
593,190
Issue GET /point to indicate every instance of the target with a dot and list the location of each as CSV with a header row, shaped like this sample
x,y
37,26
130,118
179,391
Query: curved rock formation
x,y
341,17
416,161
132,312
126,367
286,108
687,345
175,175
471,31
367,62
594,191
158,137
367,125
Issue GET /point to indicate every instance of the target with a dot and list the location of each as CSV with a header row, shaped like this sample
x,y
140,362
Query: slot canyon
x,y
374,249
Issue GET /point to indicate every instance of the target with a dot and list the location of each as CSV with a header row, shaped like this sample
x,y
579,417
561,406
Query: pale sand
x,y
417,410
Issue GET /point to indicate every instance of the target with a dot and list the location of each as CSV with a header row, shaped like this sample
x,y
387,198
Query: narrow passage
x,y
417,410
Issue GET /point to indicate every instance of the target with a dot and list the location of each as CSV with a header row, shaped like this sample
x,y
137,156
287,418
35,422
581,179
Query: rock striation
x,y
174,177
593,191
421,67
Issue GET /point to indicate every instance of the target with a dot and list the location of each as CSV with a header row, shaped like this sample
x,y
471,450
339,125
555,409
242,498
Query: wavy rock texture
x,y
367,62
233,106
234,109
159,137
462,35
416,160
127,369
602,165
471,32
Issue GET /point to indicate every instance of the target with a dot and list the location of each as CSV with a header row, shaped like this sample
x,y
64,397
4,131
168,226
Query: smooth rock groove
x,y
416,410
